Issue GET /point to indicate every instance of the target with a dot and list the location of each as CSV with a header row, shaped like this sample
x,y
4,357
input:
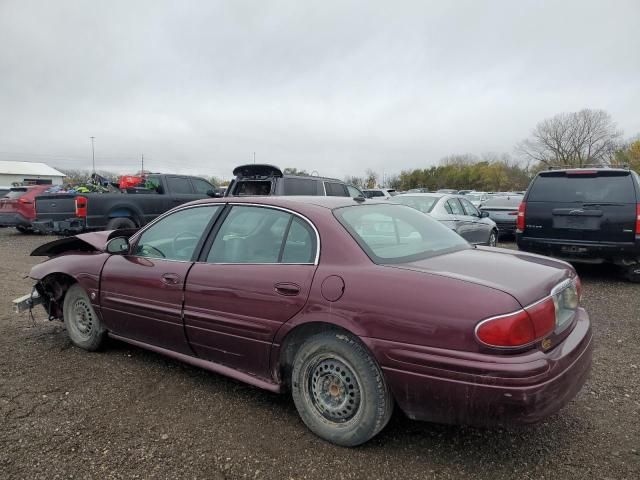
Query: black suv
x,y
255,179
583,215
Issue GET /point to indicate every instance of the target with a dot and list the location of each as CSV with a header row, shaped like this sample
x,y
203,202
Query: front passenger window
x,y
176,236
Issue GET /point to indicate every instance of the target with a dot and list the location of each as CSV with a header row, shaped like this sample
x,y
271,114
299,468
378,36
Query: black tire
x,y
493,238
25,230
339,389
83,325
120,222
632,273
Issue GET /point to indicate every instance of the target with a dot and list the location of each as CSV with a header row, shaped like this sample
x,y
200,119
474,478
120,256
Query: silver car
x,y
456,212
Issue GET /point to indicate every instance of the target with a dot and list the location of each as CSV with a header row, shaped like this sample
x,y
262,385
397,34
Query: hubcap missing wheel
x,y
334,390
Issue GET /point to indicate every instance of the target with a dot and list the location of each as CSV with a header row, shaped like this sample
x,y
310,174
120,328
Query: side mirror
x,y
213,194
484,214
118,246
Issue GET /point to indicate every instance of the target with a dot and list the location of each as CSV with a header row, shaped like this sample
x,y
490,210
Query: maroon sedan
x,y
351,305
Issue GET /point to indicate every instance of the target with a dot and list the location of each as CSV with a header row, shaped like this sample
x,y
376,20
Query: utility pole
x,y
93,155
142,165
254,157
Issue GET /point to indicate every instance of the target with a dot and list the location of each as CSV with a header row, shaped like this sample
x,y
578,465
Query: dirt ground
x,y
129,413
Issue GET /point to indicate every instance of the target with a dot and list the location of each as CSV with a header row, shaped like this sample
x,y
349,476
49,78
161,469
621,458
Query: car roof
x,y
583,169
293,201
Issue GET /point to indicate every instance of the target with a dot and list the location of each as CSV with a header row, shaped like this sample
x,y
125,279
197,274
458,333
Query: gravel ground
x,y
129,413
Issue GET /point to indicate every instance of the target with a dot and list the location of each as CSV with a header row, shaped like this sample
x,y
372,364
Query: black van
x,y
259,179
583,215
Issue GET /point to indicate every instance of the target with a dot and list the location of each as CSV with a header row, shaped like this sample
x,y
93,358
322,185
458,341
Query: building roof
x,y
28,168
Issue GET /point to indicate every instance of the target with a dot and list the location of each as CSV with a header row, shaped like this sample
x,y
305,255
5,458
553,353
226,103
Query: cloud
x,y
337,87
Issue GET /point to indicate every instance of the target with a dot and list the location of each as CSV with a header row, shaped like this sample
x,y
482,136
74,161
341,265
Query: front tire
x,y
83,325
493,239
339,389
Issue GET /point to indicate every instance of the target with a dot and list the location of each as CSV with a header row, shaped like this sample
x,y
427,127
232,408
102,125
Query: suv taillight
x,y
520,220
638,219
81,207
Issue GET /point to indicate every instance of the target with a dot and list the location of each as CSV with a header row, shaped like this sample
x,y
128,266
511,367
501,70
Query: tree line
x,y
575,139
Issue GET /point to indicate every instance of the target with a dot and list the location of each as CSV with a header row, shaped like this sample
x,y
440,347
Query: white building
x,y
28,173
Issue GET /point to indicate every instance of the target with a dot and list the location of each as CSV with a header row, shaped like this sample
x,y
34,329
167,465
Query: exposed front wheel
x,y
339,389
83,325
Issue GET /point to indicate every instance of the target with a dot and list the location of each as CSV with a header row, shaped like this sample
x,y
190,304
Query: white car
x,y
379,193
477,198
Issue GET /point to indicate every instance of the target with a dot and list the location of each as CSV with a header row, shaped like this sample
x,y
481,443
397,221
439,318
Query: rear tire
x,y
83,325
632,273
493,239
24,230
120,223
339,389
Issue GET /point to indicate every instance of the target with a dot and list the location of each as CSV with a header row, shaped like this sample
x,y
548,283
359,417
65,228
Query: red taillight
x,y
638,219
519,328
81,207
520,220
512,330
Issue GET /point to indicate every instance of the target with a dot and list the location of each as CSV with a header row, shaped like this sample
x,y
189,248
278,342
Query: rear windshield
x,y
16,192
373,193
397,234
609,187
423,203
248,187
512,201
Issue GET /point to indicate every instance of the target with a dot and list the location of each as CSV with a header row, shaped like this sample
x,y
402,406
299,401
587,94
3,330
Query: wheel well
x,y
124,213
294,340
53,288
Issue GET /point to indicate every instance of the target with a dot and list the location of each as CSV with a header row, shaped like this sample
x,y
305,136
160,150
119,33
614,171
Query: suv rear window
x,y
252,187
605,187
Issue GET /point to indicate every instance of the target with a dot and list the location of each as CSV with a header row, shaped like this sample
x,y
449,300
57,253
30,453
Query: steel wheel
x,y
83,325
333,389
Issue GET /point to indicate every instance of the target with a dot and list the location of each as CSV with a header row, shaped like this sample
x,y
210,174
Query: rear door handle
x,y
288,289
170,279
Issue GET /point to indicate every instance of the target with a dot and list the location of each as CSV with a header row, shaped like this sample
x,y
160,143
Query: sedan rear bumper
x,y
14,220
490,391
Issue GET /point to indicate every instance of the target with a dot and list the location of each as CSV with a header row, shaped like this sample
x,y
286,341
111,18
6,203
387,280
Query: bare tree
x,y
371,179
355,181
573,139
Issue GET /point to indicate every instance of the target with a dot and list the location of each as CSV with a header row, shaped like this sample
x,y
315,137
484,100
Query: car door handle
x,y
288,289
170,279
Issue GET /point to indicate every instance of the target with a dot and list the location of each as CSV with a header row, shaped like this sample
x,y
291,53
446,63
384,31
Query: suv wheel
x,y
632,273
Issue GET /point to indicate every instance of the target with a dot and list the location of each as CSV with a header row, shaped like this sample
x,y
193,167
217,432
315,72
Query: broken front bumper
x,y
27,302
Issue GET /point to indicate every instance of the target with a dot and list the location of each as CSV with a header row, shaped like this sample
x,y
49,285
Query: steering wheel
x,y
183,236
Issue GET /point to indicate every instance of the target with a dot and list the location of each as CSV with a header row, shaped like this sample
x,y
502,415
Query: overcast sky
x,y
337,87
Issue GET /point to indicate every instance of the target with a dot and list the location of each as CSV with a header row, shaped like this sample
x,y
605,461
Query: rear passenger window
x,y
300,246
263,235
453,207
300,186
179,185
335,189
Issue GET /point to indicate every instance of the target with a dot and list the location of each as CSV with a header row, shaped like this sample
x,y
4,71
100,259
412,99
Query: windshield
x,y
397,234
422,203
